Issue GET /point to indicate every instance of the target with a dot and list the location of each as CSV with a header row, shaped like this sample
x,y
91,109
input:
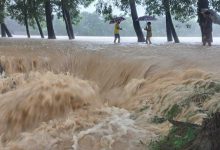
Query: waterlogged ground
x,y
86,95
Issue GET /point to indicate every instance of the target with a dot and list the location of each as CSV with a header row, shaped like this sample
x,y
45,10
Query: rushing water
x,y
88,101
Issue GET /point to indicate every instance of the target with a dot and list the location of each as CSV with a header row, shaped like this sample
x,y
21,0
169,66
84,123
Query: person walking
x,y
149,33
117,32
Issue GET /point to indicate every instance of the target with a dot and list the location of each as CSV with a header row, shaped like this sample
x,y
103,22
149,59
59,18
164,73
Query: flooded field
x,y
83,95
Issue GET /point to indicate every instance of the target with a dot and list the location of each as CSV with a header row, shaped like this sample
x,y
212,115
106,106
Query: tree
x,y
49,19
31,12
67,19
215,4
202,4
105,8
169,23
27,12
136,23
70,11
208,136
1,11
4,29
181,10
36,12
18,10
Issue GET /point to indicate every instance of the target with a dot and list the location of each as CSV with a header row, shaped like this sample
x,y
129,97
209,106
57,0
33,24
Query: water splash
x,y
74,104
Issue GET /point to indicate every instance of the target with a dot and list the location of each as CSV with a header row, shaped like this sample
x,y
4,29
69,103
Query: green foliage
x,y
2,12
1,16
154,7
33,8
94,25
173,112
217,88
199,97
184,10
212,87
106,7
202,92
181,10
177,139
215,4
72,6
158,120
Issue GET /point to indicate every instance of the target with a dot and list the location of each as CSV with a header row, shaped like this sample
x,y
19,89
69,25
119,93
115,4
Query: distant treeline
x,y
92,24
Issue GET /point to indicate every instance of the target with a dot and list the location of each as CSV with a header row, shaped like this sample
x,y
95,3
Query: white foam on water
x,y
110,129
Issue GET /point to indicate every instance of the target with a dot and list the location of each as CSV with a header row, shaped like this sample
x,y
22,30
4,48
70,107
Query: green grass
x,y
217,88
173,112
177,139
158,120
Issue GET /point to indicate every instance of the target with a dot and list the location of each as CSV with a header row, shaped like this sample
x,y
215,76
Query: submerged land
x,y
59,94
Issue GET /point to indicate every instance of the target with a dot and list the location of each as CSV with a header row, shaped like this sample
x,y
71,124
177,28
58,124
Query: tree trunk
x,y
49,20
202,4
168,30
209,135
2,10
70,24
136,23
5,29
65,19
67,25
27,27
170,25
39,27
173,31
33,4
26,19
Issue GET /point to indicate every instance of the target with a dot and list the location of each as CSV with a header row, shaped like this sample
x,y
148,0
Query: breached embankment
x,y
86,100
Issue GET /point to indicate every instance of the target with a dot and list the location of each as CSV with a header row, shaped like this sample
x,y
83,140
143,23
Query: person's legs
x,y
146,40
149,40
115,38
119,38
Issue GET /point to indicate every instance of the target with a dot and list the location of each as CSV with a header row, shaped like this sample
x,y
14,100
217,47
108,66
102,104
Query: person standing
x,y
149,33
117,32
207,29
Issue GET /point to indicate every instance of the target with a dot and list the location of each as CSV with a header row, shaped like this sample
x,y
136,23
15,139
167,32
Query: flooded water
x,y
129,40
65,96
